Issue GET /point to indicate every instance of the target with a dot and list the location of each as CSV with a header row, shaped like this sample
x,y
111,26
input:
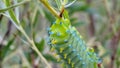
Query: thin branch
x,y
48,6
20,28
33,59
34,47
116,36
107,10
111,17
114,4
1,16
91,25
92,22
6,34
13,6
114,44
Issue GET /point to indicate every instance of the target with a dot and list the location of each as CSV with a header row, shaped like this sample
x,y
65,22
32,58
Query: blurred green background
x,y
98,21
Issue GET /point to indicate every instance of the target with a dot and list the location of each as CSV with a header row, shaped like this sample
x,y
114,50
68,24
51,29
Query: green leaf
x,y
58,3
49,16
50,57
40,45
35,17
77,7
6,48
11,12
80,23
73,19
13,6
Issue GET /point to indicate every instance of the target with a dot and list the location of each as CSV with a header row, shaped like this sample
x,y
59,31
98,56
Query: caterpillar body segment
x,y
70,45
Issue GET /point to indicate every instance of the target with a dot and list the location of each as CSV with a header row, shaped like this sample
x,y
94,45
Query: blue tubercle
x,y
70,46
48,29
73,50
60,23
83,63
50,33
80,59
68,31
58,34
54,23
65,40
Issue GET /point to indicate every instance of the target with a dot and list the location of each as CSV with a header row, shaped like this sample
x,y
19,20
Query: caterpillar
x,y
70,45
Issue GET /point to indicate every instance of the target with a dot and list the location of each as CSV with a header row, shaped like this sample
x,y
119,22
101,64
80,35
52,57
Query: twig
x,y
1,16
107,9
34,47
7,32
111,17
48,6
116,36
91,18
5,36
13,6
33,59
91,25
114,44
114,4
20,28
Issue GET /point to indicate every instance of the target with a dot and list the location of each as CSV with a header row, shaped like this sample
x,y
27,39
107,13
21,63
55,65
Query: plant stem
x,y
48,6
114,44
92,21
37,51
111,17
34,47
13,6
116,35
1,16
20,28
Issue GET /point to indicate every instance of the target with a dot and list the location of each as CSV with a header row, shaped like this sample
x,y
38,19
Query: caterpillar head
x,y
58,31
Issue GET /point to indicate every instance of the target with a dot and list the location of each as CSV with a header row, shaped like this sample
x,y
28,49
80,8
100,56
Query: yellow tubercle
x,y
69,60
65,56
72,65
61,50
54,41
52,49
91,49
59,59
55,54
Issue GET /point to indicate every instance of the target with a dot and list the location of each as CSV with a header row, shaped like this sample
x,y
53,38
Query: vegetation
x,y
24,25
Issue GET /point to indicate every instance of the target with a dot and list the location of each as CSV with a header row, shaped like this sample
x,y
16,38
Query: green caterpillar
x,y
70,46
